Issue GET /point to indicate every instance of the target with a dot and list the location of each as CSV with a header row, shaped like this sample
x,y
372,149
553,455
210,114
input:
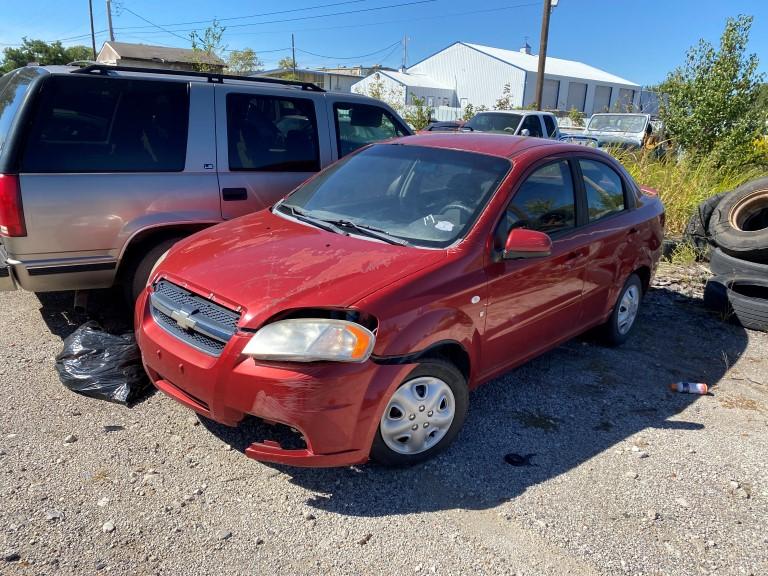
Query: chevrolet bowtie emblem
x,y
183,319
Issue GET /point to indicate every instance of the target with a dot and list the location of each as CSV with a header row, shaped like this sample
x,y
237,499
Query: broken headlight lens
x,y
312,340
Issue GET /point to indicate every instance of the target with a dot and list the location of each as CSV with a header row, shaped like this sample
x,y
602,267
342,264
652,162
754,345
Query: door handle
x,y
233,194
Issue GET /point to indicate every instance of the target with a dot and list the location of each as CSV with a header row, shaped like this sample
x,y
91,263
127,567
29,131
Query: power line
x,y
350,57
153,24
249,16
361,10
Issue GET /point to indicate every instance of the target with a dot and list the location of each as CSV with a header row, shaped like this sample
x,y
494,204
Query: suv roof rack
x,y
213,77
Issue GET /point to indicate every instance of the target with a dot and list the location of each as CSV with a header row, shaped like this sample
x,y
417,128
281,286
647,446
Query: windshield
x,y
428,197
495,122
618,122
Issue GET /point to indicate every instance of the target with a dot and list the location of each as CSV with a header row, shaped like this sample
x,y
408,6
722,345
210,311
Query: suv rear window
x,y
109,125
13,88
272,134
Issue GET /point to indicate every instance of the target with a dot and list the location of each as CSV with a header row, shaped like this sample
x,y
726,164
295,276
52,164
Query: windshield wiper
x,y
370,231
299,214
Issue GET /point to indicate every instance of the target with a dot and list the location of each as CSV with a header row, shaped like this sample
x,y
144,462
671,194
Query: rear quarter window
x,y
13,89
87,124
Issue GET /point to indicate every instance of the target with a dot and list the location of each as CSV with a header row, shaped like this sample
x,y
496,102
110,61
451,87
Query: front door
x,y
534,303
268,143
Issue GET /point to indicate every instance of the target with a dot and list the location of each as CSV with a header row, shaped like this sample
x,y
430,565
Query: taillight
x,y
11,211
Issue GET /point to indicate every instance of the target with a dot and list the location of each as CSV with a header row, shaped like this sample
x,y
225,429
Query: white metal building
x,y
471,73
400,87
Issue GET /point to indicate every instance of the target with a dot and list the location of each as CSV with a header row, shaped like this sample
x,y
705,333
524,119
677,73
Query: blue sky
x,y
640,40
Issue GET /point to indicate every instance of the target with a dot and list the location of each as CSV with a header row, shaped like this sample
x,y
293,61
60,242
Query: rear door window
x,y
545,201
109,125
361,124
605,191
13,88
533,125
272,134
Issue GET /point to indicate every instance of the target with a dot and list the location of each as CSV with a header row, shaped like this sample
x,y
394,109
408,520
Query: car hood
x,y
266,263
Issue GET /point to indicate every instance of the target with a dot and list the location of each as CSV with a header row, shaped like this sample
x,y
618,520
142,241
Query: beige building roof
x,y
112,51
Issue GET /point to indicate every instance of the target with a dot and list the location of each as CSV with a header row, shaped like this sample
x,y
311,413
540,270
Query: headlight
x,y
159,261
311,340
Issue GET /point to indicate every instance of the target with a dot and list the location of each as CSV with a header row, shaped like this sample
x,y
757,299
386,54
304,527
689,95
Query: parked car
x,y
625,130
515,122
358,312
444,126
103,168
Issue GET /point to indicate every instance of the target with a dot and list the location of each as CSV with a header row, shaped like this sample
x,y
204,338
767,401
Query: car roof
x,y
501,145
518,112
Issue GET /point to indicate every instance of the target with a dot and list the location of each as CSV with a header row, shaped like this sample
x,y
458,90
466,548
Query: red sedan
x,y
357,313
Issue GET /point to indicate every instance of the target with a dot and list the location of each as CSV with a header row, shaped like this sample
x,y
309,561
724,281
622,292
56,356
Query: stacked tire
x,y
734,226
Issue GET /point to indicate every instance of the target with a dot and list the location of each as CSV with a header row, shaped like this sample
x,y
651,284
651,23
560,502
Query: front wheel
x,y
622,319
422,416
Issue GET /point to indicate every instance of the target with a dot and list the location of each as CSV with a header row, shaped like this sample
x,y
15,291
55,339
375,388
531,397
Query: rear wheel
x,y
619,325
136,279
422,416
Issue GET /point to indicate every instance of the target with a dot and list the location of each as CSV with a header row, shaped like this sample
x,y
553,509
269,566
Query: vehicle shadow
x,y
559,410
106,307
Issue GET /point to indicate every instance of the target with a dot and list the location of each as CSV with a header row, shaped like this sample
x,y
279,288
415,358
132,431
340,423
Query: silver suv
x,y
103,168
516,123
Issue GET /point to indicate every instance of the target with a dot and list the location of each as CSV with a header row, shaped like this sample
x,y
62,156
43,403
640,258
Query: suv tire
x,y
136,279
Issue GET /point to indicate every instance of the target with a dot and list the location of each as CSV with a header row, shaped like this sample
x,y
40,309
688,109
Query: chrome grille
x,y
193,319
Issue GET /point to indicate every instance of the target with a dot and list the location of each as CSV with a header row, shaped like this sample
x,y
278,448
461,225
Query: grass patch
x,y
683,184
684,253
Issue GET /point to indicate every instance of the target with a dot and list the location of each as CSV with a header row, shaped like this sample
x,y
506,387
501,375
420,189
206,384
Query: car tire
x,y
136,280
624,315
748,298
697,230
723,264
739,224
443,390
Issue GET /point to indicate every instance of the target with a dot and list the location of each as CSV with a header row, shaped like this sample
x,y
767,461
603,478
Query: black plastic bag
x,y
102,365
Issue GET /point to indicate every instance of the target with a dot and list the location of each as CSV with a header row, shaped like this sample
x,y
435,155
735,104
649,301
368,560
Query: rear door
x,y
269,142
612,238
355,123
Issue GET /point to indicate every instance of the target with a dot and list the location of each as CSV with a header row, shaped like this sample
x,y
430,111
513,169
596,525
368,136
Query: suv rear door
x,y
269,141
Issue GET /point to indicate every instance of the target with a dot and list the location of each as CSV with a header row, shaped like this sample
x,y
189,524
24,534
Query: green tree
x,y
711,101
377,88
468,112
208,46
505,102
418,115
289,65
244,61
43,53
576,116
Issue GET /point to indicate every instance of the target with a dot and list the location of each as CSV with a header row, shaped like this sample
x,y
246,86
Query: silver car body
x,y
79,226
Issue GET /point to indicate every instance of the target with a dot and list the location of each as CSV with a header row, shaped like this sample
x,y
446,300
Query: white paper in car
x,y
444,225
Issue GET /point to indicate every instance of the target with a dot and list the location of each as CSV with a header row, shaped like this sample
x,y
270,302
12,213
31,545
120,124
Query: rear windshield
x,y
13,88
88,124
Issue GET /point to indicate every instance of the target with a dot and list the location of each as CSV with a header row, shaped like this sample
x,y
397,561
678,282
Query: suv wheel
x,y
137,278
422,416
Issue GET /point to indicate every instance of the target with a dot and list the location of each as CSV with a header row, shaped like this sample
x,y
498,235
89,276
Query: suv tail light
x,y
11,212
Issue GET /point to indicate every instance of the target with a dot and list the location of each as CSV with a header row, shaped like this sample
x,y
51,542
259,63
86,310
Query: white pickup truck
x,y
515,122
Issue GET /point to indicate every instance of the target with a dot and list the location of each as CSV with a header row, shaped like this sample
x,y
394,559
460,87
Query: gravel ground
x,y
624,476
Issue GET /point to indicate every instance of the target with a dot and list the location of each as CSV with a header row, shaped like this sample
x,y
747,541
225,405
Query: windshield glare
x,y
618,122
429,197
495,122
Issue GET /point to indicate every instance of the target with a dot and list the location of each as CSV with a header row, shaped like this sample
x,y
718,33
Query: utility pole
x,y
93,34
548,5
293,55
109,21
405,53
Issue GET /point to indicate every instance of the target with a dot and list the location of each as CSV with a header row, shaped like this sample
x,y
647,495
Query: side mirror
x,y
522,243
525,132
